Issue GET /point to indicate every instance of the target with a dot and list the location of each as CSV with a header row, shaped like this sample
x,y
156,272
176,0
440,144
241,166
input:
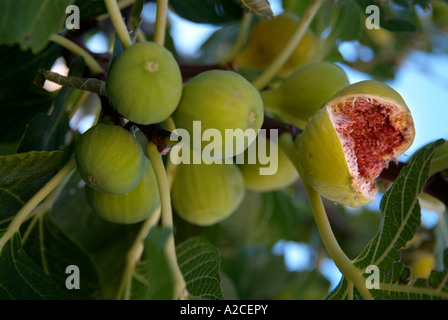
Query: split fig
x,y
205,194
144,83
109,159
298,97
268,39
220,102
130,207
351,139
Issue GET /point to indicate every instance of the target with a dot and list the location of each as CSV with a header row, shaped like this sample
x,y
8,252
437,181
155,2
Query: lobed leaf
x,y
22,175
53,251
200,264
31,23
152,279
401,218
21,278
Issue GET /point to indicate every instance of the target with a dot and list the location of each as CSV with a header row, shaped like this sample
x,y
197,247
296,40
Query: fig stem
x,y
88,84
118,22
91,63
240,40
135,253
335,252
40,195
289,47
167,216
439,164
160,24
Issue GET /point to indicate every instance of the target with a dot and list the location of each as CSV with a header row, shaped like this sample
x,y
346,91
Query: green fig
x,y
205,194
297,98
351,139
284,175
268,39
109,159
440,14
130,207
144,83
219,102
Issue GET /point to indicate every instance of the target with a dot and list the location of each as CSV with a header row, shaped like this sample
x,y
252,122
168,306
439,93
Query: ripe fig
x,y
351,139
267,40
284,176
221,101
109,159
130,207
298,97
205,194
144,83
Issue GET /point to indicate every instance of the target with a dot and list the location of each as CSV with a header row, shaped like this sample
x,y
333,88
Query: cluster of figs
x,y
350,133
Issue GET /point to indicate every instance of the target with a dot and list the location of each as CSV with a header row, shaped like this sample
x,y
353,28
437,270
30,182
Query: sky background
x,y
422,81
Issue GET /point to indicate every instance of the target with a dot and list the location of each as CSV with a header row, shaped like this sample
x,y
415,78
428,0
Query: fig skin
x,y
284,177
130,207
109,159
330,165
298,97
267,40
206,194
144,83
221,100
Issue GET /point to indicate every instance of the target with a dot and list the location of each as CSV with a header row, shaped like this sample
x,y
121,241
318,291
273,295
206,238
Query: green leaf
x,y
344,28
401,211
199,262
22,175
258,274
19,68
105,243
215,12
20,99
90,8
258,7
394,17
152,279
401,217
53,251
31,23
21,278
18,111
264,218
398,285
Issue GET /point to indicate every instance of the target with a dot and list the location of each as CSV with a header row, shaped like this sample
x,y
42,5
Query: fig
x,y
351,139
144,83
206,194
298,97
440,14
109,159
267,40
284,175
130,207
224,104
